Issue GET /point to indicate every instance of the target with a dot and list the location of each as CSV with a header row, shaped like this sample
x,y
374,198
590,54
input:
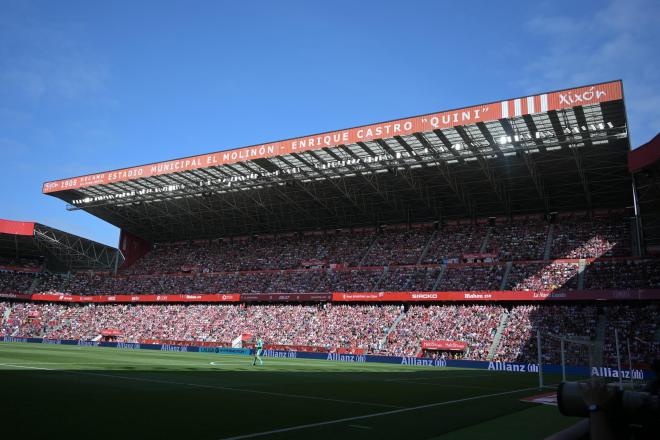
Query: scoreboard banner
x,y
594,94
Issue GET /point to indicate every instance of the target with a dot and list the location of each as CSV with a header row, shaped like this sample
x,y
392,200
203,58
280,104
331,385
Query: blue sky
x,y
90,86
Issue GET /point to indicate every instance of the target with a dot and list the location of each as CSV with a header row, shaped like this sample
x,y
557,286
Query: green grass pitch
x,y
56,391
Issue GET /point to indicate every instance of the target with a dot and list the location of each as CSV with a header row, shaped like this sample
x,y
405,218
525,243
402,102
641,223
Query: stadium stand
x,y
327,326
518,341
626,274
515,202
472,277
577,236
388,261
637,326
455,240
523,239
537,276
361,328
397,247
17,282
474,324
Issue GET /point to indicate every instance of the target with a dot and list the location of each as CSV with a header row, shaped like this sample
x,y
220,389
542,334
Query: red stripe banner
x,y
215,297
477,296
504,295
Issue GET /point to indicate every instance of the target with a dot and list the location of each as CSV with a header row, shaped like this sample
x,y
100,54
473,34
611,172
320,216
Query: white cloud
x,y
618,41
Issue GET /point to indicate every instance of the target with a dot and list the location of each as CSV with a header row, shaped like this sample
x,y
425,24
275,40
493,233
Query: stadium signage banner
x,y
285,347
281,354
215,297
513,367
503,295
423,362
339,357
13,339
16,296
286,297
444,345
221,350
500,295
187,343
588,95
20,269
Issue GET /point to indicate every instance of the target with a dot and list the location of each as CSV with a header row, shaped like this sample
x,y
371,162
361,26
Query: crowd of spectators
x,y
626,274
598,275
287,251
409,278
397,247
366,260
323,325
365,327
355,280
543,277
520,239
638,327
18,262
582,237
572,322
523,239
472,277
274,281
474,324
17,282
452,241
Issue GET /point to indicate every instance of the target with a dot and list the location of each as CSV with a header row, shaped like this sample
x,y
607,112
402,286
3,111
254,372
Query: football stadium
x,y
440,276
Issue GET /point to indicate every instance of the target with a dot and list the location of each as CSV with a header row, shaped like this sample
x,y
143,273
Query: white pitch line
x,y
368,416
438,377
215,387
27,366
445,385
118,363
244,390
360,426
123,364
220,364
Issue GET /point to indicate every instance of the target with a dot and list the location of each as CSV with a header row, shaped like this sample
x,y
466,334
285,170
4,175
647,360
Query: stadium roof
x,y
645,156
556,151
644,162
61,250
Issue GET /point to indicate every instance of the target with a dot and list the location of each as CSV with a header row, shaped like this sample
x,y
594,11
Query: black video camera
x,y
631,406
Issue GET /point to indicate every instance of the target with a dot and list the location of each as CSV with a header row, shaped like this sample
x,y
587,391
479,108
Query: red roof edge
x,y
645,155
12,227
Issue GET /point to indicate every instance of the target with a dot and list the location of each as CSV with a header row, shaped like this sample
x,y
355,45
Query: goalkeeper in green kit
x,y
258,348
